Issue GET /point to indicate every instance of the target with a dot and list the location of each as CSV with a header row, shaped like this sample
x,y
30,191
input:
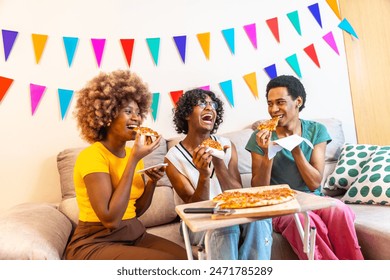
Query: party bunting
x,y
154,106
294,18
251,81
271,71
127,47
70,44
346,26
5,83
204,41
39,42
98,48
65,97
205,87
154,48
250,30
292,60
331,42
36,93
181,42
9,38
175,95
315,11
227,88
228,34
335,7
311,52
274,27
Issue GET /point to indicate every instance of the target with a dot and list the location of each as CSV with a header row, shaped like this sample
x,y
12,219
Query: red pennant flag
x,y
175,95
274,27
5,83
311,52
127,46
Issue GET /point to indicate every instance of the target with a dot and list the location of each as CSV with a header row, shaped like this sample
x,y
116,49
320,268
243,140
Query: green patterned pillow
x,y
351,160
373,184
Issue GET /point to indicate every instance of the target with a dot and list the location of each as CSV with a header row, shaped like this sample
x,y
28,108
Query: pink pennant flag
x,y
36,93
98,47
205,88
250,30
331,42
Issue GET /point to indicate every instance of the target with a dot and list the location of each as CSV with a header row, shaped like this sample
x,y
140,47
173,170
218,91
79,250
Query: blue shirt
x,y
284,169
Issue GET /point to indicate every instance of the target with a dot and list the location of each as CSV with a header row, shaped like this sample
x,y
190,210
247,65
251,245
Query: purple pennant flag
x,y
180,42
98,47
316,13
271,71
9,38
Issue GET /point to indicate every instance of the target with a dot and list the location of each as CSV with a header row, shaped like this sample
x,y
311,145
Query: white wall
x,y
29,144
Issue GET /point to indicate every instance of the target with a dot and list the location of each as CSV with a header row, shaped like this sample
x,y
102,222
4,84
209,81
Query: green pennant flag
x,y
292,60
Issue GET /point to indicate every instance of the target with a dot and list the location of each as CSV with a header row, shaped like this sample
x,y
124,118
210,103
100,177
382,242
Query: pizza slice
x,y
149,133
215,146
269,125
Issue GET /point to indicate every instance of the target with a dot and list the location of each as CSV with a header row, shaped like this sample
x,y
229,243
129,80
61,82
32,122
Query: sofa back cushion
x,y
162,209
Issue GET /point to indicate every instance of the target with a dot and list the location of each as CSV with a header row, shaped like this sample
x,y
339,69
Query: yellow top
x,y
96,158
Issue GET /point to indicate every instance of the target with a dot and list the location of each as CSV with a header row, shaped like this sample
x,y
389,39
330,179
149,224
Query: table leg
x,y
307,235
187,240
207,244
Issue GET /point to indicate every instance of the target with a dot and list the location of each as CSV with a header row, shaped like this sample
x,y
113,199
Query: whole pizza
x,y
242,199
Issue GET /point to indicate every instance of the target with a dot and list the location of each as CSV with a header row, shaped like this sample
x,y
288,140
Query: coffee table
x,y
303,203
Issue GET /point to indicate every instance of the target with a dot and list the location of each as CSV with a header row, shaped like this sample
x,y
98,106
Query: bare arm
x,y
261,165
110,202
228,176
312,171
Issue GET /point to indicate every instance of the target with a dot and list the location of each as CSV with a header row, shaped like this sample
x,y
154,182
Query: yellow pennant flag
x,y
251,81
39,42
335,7
204,40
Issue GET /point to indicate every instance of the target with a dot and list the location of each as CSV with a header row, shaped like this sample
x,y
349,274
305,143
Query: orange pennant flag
x,y
39,42
251,81
204,40
5,83
335,7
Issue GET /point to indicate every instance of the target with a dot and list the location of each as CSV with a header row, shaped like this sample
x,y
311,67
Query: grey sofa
x,y
42,230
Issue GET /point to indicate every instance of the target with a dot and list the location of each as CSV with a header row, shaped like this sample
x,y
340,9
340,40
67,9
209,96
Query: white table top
x,y
200,222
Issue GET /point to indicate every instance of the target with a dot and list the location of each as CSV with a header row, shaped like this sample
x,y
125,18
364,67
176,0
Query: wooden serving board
x,y
284,208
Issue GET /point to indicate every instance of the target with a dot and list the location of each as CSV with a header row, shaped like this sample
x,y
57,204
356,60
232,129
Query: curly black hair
x,y
185,106
294,87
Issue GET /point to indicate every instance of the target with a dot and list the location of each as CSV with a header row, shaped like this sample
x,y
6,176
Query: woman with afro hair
x,y
110,193
197,175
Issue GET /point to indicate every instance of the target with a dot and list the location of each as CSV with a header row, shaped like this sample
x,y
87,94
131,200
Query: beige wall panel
x,y
369,67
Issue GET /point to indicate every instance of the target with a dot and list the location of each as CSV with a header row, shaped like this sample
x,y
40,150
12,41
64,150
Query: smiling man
x,y
197,175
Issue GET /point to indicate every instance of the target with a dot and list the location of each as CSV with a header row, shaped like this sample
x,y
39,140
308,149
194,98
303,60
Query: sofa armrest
x,y
33,231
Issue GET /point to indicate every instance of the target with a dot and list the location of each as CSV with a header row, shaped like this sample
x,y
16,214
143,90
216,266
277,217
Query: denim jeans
x,y
252,241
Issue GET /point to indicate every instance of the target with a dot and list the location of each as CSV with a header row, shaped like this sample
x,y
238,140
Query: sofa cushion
x,y
373,230
372,185
33,231
349,164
